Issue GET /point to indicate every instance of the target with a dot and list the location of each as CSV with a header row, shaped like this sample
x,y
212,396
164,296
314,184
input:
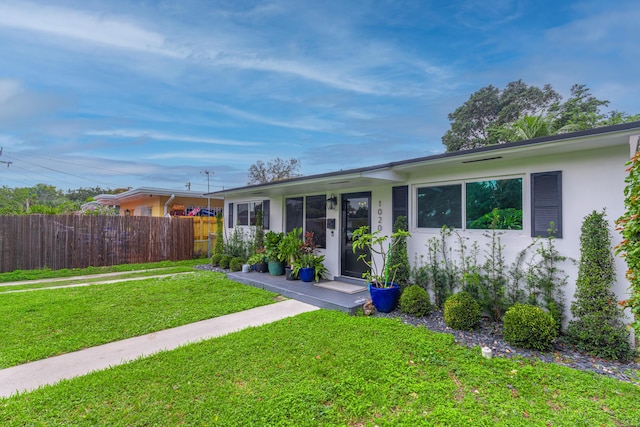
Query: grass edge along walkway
x,y
30,376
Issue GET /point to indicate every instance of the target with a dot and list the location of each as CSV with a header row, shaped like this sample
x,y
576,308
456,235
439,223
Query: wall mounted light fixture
x,y
333,201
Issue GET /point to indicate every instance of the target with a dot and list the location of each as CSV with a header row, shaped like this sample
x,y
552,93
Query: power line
x,y
2,161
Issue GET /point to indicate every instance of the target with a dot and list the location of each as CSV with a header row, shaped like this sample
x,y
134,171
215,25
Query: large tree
x,y
581,110
275,170
489,108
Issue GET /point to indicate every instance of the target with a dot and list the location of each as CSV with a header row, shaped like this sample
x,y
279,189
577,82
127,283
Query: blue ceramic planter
x,y
306,274
385,299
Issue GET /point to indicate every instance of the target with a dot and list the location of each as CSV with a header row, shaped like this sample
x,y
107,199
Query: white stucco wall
x,y
591,180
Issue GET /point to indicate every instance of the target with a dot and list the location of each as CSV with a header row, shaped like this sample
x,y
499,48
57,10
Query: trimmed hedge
x,y
528,326
461,311
415,301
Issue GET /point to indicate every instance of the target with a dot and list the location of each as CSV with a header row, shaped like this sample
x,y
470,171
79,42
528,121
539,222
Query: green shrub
x,y
528,326
415,301
461,311
215,259
225,260
597,327
236,263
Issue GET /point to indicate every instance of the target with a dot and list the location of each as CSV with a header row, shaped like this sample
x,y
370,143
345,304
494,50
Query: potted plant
x,y
309,267
290,249
272,250
381,274
258,261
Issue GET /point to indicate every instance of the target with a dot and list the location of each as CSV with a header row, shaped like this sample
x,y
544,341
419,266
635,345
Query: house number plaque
x,y
379,215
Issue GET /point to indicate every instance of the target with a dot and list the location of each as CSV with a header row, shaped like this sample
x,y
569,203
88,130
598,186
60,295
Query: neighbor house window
x,y
440,206
494,204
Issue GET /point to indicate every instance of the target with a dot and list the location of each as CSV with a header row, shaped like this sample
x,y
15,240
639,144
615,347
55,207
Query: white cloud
x,y
84,26
309,123
133,133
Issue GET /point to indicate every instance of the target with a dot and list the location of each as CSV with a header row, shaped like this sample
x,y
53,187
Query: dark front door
x,y
355,213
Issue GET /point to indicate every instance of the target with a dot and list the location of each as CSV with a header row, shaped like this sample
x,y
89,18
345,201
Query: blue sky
x,y
127,93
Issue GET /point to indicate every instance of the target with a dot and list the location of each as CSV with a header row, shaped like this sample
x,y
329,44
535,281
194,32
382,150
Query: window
x,y
247,213
494,204
309,213
243,214
400,202
293,213
439,206
546,204
487,204
316,219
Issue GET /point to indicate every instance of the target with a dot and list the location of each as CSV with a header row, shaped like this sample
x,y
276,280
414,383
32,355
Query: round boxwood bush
x,y
461,311
415,301
236,263
225,260
215,259
528,326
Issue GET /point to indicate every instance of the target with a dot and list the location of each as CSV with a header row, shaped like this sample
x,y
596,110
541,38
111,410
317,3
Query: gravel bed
x,y
489,334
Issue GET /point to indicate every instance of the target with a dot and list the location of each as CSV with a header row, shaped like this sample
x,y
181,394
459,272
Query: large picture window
x,y
494,204
487,204
440,206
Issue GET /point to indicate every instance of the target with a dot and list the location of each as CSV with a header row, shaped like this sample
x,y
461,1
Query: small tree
x,y
275,170
597,327
259,234
218,248
629,225
398,256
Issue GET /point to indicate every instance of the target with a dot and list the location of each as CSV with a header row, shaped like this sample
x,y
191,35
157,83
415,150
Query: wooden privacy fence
x,y
30,242
202,227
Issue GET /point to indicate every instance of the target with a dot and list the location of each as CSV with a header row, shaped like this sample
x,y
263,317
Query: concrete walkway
x,y
30,376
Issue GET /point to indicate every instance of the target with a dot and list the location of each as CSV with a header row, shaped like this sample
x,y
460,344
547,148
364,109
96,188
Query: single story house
x,y
555,180
148,201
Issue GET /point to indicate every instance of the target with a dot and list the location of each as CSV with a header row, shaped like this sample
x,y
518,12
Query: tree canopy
x,y
45,199
275,170
517,112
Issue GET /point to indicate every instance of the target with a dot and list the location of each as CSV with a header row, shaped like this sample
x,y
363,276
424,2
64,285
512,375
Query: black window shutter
x,y
546,203
266,205
230,218
400,202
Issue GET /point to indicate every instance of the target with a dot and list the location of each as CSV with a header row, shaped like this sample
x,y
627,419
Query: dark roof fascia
x,y
507,145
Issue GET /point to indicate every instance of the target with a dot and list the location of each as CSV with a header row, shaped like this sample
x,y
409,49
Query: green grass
x,y
45,323
328,369
64,281
46,273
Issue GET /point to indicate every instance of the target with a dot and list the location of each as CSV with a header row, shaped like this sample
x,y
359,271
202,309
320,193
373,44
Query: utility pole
x,y
1,161
188,186
208,173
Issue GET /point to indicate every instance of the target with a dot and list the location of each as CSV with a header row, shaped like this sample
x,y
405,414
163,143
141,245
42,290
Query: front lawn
x,y
46,273
328,368
49,322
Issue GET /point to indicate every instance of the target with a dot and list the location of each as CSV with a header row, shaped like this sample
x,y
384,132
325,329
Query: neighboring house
x,y
558,179
147,201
